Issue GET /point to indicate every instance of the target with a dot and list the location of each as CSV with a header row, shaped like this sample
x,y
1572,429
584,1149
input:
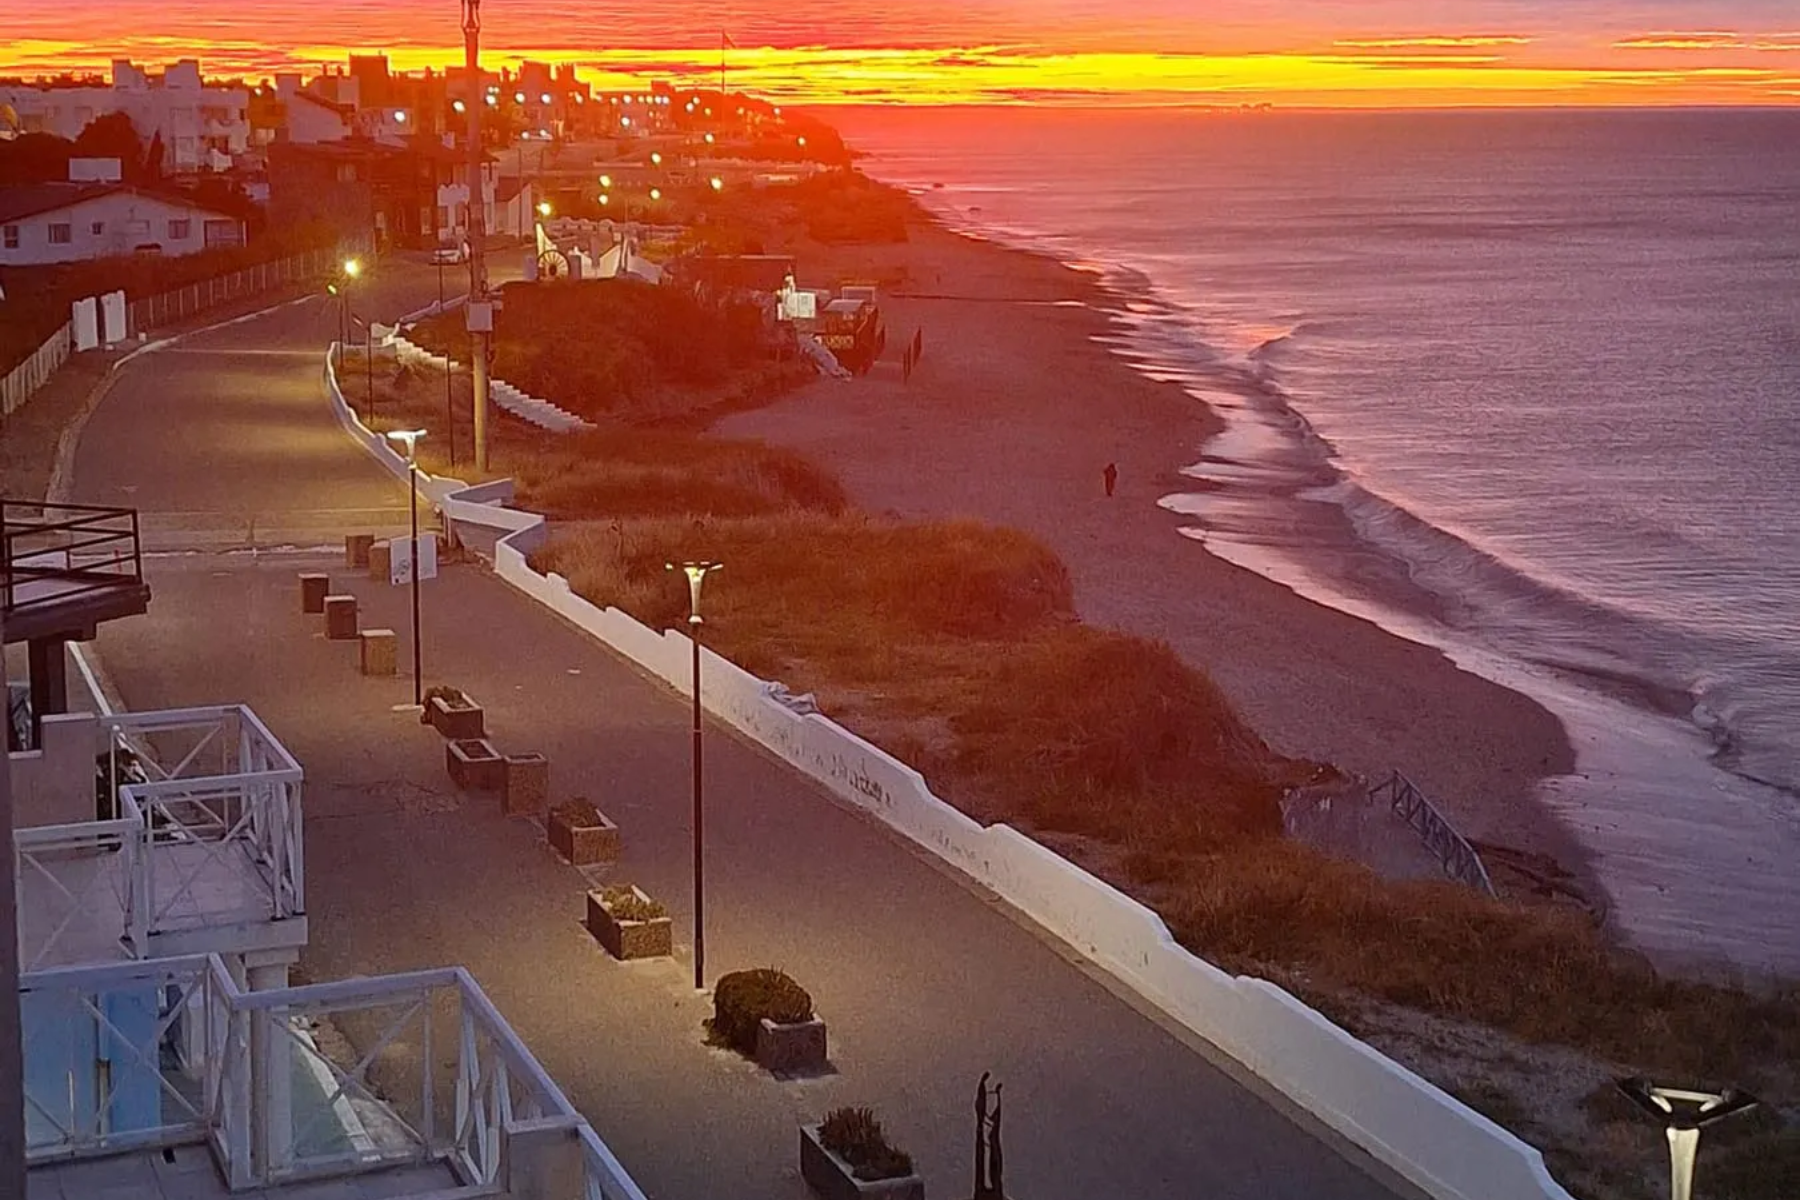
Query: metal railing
x,y
54,553
207,837
296,1083
1460,860
149,313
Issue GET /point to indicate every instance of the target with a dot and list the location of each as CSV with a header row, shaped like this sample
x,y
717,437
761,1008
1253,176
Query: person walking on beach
x,y
1111,475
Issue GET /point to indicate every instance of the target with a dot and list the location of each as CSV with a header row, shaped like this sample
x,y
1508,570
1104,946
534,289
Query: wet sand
x,y
1012,415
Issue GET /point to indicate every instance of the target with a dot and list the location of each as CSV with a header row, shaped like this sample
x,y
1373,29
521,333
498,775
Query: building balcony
x,y
168,1078
198,849
64,568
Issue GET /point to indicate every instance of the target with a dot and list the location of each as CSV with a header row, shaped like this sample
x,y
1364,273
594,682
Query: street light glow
x,y
606,181
656,193
352,267
605,200
656,158
493,101
717,184
544,209
399,118
459,106
709,139
545,98
518,97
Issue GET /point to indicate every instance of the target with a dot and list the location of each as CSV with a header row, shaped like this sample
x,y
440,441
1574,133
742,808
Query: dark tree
x,y
111,136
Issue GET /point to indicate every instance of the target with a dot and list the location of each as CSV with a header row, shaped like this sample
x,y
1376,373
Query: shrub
x,y
624,903
743,998
578,811
854,1135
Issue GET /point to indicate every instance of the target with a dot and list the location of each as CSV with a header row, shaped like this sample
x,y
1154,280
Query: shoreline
x,y
1026,336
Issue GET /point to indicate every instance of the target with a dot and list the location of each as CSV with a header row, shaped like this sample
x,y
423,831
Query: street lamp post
x,y
1683,1113
410,439
696,575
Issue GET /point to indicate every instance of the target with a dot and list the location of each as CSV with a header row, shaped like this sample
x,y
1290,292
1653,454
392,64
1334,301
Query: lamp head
x,y
544,208
1685,1108
352,268
696,573
408,438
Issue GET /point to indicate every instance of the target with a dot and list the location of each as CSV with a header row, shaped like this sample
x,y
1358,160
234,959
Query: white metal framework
x,y
187,1055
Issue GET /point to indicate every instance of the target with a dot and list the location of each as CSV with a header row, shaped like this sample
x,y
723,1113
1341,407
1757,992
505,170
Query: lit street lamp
x,y
696,575
410,439
1683,1113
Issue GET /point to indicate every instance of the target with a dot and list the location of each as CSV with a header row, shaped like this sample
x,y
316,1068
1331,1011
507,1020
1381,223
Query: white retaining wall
x,y
541,413
1439,1144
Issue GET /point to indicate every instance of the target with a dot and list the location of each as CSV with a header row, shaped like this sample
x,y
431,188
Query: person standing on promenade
x,y
1111,475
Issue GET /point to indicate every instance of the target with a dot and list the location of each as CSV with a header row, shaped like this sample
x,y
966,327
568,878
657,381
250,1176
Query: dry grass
x,y
1048,722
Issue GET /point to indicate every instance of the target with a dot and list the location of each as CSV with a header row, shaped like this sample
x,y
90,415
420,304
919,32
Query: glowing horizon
x,y
1303,54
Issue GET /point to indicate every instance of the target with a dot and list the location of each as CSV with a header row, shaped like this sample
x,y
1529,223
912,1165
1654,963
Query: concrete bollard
x,y
313,588
381,559
378,652
340,618
356,549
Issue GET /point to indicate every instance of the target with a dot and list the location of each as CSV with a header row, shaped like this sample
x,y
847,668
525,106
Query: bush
x,y
624,904
854,1135
743,998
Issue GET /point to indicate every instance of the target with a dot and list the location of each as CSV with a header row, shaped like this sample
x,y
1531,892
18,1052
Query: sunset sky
x,y
1294,53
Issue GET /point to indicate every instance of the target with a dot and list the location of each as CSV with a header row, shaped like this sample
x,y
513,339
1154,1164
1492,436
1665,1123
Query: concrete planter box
x,y
791,1049
832,1177
526,787
474,764
582,844
465,723
627,940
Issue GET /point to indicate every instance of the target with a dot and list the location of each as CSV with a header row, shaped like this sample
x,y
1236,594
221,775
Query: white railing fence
x,y
296,1083
203,830
25,379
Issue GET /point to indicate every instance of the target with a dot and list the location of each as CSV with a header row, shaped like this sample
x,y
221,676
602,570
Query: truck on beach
x,y
850,327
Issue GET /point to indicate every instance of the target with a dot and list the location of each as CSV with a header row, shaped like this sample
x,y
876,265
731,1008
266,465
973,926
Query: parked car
x,y
450,256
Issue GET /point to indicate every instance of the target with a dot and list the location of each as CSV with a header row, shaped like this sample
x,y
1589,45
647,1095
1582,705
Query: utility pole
x,y
479,309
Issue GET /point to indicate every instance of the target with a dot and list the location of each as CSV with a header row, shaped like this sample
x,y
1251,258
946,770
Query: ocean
x,y
1522,385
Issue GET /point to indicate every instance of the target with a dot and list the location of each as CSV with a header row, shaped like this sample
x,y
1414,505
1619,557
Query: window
x,y
181,230
98,228
9,237
61,234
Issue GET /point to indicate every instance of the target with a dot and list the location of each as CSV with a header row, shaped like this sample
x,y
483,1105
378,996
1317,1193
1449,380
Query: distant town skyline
x,y
1307,53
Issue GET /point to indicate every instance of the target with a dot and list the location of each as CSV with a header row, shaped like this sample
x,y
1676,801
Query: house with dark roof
x,y
64,222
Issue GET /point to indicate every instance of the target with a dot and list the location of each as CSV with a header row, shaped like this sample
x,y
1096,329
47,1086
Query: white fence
x,y
202,849
25,379
437,1076
1436,1142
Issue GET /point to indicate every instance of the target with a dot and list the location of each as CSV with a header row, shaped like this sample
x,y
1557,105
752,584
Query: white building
x,y
64,222
201,127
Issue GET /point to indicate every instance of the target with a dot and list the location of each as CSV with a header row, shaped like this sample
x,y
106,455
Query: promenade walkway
x,y
925,983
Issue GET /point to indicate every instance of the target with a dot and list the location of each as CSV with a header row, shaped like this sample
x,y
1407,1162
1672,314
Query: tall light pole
x,y
410,439
449,396
696,573
479,313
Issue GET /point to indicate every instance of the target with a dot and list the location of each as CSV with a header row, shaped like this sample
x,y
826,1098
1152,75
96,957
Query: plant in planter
x,y
581,833
629,923
763,1014
847,1155
452,713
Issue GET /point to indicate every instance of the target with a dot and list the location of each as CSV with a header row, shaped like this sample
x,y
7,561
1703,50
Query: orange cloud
x,y
1433,41
1711,40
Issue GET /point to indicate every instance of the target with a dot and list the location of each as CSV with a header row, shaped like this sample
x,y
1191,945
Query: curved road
x,y
225,441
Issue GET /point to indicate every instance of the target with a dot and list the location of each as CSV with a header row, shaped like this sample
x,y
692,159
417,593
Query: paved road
x,y
924,983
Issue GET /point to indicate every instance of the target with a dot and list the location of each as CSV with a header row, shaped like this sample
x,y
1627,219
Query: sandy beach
x,y
1011,417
